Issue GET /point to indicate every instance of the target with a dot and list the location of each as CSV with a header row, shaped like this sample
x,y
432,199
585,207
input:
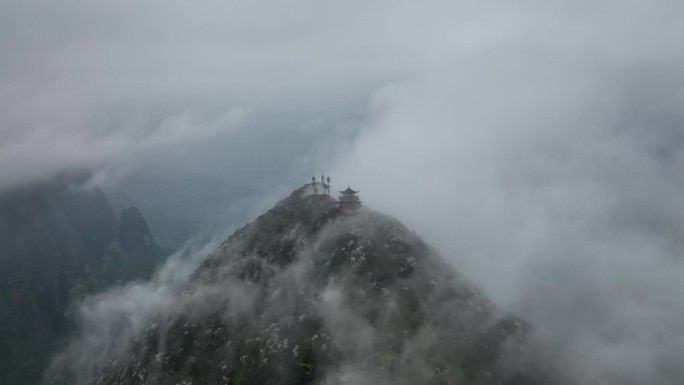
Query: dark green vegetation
x,y
306,295
59,242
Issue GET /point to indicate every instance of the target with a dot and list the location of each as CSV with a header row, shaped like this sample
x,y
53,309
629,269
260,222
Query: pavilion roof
x,y
348,191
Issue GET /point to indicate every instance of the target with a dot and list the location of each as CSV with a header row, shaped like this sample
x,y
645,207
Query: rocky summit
x,y
307,294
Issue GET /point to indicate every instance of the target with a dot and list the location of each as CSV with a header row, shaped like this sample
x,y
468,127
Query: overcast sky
x,y
538,145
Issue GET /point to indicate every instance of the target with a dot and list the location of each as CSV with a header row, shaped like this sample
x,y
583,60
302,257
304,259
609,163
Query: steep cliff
x,y
59,241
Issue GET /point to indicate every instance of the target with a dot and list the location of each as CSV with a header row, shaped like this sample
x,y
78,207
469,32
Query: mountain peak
x,y
307,294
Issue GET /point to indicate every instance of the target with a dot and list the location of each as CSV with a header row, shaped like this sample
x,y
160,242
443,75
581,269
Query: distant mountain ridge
x,y
59,241
190,205
308,295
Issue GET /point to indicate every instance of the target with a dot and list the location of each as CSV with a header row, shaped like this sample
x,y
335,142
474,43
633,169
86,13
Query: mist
x,y
109,320
538,146
552,178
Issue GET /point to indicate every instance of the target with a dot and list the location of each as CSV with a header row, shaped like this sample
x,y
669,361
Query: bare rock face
x,y
308,295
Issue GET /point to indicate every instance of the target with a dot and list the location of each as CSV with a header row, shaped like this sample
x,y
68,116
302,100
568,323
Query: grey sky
x,y
537,144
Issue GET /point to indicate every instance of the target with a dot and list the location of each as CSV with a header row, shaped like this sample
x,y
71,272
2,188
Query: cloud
x,y
39,153
547,166
83,84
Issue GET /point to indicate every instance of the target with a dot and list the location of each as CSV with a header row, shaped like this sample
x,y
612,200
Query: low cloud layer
x,y
40,153
573,221
548,168
125,84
